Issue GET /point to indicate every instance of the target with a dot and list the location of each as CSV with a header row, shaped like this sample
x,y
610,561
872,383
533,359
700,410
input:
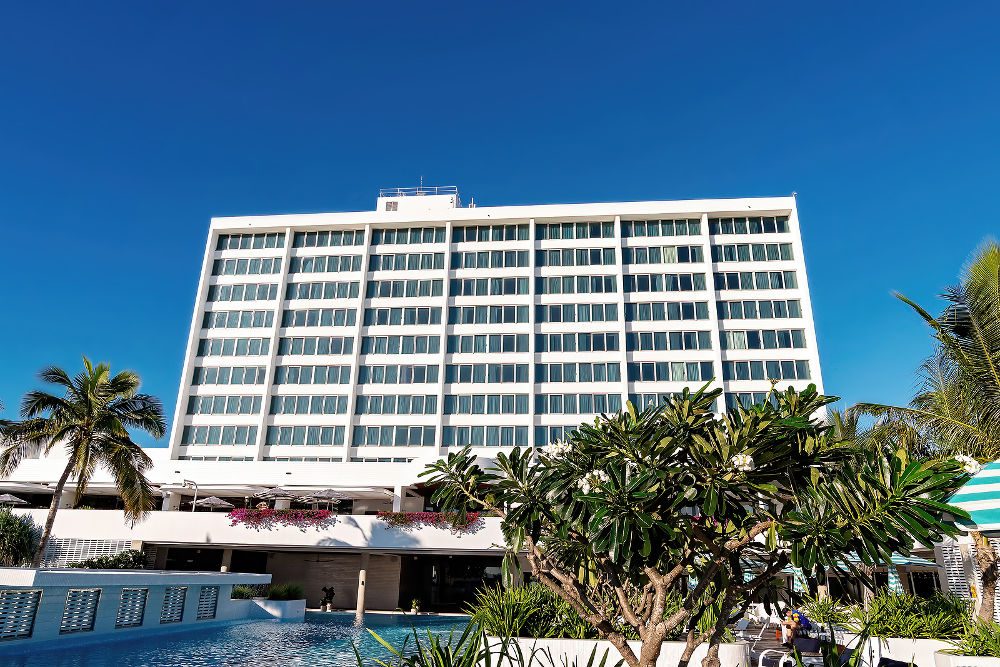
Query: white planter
x,y
288,611
949,660
919,652
730,654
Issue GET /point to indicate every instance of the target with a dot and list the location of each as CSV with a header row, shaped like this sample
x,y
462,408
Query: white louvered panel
x,y
17,613
80,610
62,552
131,607
208,599
173,604
957,583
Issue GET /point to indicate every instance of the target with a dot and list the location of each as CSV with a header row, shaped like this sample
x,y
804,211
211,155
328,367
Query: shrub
x,y
126,560
981,638
290,591
18,538
242,592
899,615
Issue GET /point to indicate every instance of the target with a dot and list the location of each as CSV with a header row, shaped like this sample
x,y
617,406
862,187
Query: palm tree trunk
x,y
36,561
986,561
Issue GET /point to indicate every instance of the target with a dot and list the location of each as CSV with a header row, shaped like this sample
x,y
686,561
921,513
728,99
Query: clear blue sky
x,y
125,126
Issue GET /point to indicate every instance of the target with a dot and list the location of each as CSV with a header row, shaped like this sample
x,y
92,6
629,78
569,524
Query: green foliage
x,y
981,638
899,615
825,610
126,560
242,592
18,538
289,591
472,648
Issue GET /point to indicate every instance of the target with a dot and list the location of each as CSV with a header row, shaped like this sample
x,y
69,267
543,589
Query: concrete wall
x,y
314,571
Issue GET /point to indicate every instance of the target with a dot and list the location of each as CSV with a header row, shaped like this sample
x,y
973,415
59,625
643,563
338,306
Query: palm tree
x,y
91,420
957,408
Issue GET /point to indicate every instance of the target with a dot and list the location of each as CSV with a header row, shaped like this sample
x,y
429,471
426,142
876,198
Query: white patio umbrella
x,y
329,496
213,502
276,493
7,499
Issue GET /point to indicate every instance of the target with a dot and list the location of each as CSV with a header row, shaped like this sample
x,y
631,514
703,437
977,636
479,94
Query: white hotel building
x,y
346,350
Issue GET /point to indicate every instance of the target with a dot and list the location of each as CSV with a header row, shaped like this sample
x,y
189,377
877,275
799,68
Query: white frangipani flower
x,y
970,464
557,448
592,479
743,462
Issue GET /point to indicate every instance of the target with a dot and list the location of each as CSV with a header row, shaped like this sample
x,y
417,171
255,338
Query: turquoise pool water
x,y
324,639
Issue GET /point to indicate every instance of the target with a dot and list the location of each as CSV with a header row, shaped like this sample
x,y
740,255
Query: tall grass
x,y
899,615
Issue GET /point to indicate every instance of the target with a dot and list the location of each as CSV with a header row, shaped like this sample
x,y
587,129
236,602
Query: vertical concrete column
x,y
282,504
171,501
362,578
227,560
397,498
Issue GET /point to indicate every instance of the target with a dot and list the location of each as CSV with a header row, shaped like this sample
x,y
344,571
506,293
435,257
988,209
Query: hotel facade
x,y
347,350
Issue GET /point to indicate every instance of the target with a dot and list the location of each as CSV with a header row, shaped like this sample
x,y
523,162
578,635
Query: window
x,y
644,401
223,405
330,290
756,252
489,259
579,312
577,404
670,371
681,254
762,339
403,288
489,233
325,264
396,404
668,340
766,309
400,345
237,319
575,257
483,373
747,399
316,345
764,225
547,434
219,435
312,375
576,284
393,436
309,405
488,343
319,317
576,342
663,282
396,316
414,261
228,375
690,227
392,206
665,311
487,314
398,374
248,292
250,241
233,347
408,235
574,230
765,370
333,238
744,280
578,372
486,404
484,436
246,267
320,436
487,286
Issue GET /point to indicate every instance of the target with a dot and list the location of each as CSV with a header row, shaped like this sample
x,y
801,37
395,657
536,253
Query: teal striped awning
x,y
897,559
980,497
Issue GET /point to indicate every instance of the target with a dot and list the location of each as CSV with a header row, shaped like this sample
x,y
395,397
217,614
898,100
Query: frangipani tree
x,y
630,507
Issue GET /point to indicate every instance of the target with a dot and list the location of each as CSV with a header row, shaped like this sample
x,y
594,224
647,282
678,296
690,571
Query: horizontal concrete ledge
x,y
80,577
577,651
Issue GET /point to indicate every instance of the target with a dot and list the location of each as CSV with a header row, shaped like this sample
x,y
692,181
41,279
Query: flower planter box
x,y
286,611
736,654
949,660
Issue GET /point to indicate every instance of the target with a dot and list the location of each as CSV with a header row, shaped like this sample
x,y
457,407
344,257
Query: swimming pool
x,y
323,640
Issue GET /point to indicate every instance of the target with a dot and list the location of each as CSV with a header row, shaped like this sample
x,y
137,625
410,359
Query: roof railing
x,y
420,191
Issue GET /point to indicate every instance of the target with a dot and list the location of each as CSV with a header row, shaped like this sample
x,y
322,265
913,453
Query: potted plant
x,y
415,606
327,603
